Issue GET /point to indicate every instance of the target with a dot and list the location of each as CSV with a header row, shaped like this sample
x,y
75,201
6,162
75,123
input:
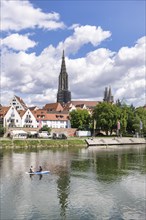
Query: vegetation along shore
x,y
41,143
66,143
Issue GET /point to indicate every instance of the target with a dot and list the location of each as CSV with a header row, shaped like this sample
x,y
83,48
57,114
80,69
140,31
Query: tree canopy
x,y
80,119
106,116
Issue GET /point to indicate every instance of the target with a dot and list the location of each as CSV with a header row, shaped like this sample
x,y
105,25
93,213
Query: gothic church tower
x,y
63,95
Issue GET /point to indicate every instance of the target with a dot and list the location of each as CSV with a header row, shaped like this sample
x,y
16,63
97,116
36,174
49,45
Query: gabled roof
x,y
43,115
88,104
21,102
67,106
39,111
33,108
21,112
4,110
81,106
56,117
53,107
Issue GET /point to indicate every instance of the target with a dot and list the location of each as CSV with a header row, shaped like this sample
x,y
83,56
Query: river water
x,y
83,184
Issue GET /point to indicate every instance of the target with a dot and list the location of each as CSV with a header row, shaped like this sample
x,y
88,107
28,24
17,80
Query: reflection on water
x,y
63,190
39,176
82,184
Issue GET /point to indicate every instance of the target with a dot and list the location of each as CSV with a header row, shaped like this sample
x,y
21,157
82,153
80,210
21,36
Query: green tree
x,y
106,116
45,128
126,118
80,119
140,115
2,130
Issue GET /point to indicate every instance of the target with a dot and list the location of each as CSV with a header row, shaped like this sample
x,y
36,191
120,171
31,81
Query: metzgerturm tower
x,y
63,95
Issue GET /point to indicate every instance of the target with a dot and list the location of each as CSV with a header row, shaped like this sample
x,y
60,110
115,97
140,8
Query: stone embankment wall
x,y
114,141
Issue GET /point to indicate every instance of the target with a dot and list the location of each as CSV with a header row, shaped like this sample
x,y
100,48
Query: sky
x,y
104,43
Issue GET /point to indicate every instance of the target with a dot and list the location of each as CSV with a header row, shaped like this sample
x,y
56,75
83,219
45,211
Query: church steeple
x,y
108,97
63,95
63,66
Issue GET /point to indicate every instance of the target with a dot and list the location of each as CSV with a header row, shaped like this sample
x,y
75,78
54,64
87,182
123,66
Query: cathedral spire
x,y
63,95
63,65
108,97
63,55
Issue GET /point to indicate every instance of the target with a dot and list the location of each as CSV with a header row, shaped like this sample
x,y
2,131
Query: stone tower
x,y
63,95
108,97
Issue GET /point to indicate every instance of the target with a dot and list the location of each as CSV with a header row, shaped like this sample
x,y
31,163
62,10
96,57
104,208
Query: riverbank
x,y
6,143
41,143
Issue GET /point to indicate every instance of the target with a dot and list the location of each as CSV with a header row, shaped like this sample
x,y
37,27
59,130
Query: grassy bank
x,y
40,143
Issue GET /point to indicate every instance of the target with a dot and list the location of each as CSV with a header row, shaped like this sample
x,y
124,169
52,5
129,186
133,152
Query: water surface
x,y
84,184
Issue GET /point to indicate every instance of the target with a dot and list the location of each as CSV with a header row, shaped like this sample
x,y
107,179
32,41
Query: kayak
x,y
42,172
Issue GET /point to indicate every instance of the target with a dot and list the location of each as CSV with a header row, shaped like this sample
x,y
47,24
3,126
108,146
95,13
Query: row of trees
x,y
105,117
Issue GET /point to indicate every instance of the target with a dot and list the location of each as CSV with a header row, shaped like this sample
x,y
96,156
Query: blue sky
x,y
104,44
125,19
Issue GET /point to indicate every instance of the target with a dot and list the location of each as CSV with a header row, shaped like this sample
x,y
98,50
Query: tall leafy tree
x,y
126,118
2,130
106,116
80,119
140,117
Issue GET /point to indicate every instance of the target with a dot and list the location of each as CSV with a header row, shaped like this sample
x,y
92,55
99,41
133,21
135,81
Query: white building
x,y
34,119
12,118
52,120
28,120
18,103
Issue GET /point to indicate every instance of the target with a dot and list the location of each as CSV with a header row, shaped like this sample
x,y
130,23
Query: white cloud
x,y
83,35
18,42
37,76
132,56
18,15
73,26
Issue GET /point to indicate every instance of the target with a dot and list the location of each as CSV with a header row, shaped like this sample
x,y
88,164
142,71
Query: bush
x,y
45,128
2,130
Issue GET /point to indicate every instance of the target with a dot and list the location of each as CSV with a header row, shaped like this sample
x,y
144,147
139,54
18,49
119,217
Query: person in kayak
x,y
31,169
40,169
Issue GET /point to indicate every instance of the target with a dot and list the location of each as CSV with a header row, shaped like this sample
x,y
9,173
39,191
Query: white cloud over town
x,y
18,42
18,15
83,35
35,76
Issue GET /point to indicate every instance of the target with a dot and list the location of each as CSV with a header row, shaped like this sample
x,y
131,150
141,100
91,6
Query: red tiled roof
x,y
21,102
87,103
80,104
53,107
3,110
56,117
45,116
21,112
33,108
